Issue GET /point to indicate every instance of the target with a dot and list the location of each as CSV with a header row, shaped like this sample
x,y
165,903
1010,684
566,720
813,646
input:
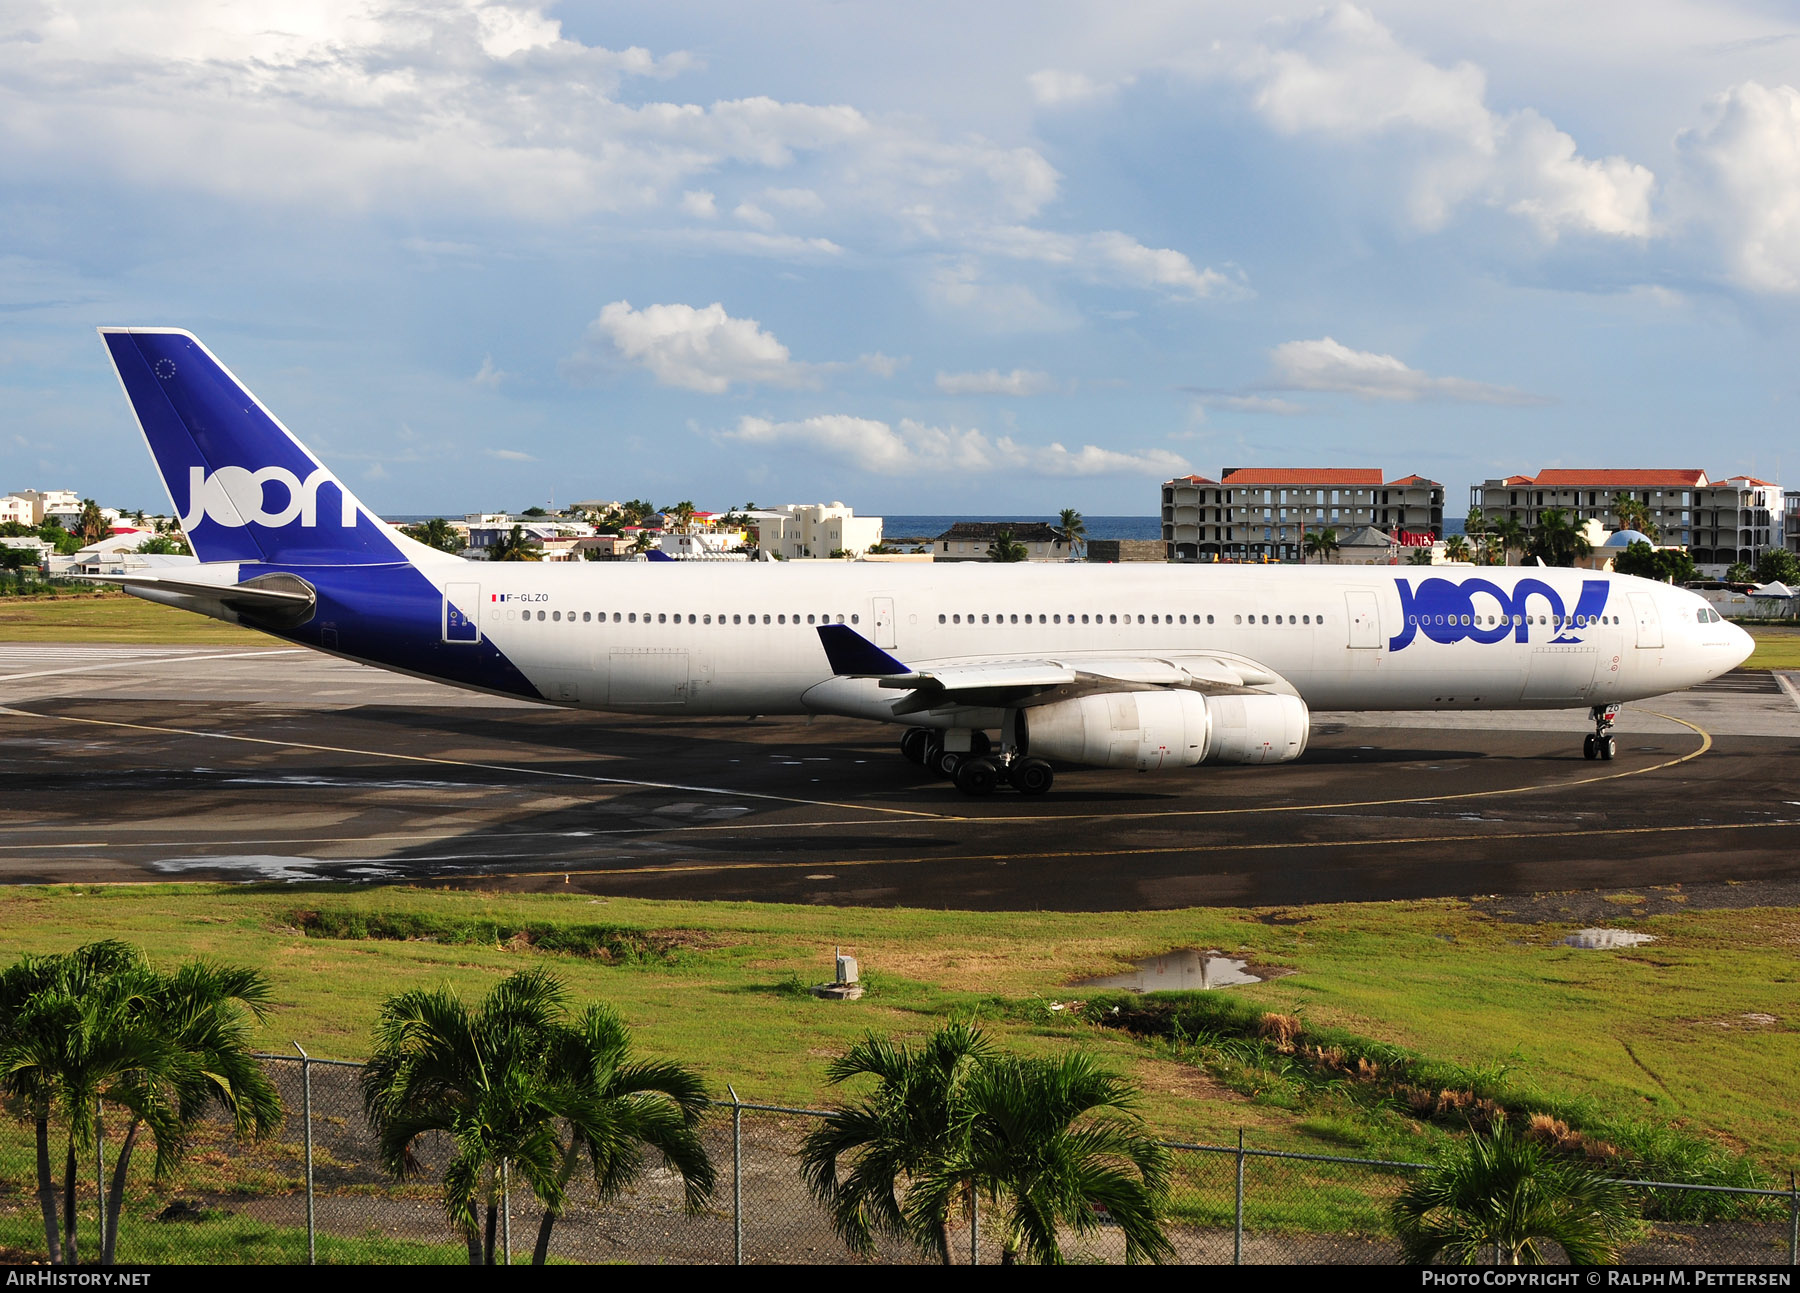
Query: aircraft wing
x,y
1028,680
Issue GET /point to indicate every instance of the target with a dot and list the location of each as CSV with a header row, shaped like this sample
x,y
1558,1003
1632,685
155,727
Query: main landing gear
x,y
1602,744
980,770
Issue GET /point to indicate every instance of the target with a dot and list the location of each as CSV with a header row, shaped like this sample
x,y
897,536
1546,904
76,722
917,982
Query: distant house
x,y
970,540
1366,546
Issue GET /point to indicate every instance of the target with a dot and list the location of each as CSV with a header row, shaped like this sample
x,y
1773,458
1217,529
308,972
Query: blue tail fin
x,y
243,487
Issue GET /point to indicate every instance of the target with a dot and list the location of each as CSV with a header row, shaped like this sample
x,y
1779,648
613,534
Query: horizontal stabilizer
x,y
853,655
279,598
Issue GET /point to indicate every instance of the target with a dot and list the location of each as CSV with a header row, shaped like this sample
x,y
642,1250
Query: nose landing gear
x,y
1601,744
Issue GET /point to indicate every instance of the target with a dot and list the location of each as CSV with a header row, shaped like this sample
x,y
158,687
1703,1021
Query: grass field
x,y
1677,1032
114,617
1777,646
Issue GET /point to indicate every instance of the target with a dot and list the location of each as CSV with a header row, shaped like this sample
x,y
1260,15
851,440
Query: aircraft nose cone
x,y
1742,644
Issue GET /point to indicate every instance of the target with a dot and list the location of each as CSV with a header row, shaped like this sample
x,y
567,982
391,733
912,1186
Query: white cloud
x,y
481,110
961,287
699,203
751,214
488,375
915,449
1254,403
697,350
510,455
1344,74
881,365
1743,183
1020,381
1329,365
1107,257
1055,88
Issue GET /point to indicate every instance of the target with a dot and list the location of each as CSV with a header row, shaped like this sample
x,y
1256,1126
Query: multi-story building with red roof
x,y
1719,522
1250,513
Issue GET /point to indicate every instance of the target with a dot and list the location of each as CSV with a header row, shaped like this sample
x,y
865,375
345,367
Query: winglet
x,y
853,655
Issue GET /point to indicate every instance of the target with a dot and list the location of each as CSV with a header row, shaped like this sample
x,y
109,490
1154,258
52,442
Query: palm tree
x,y
1419,557
1632,513
76,1029
205,1011
1491,551
514,547
1456,548
517,1088
1073,531
72,1024
1320,543
636,511
913,1123
1511,535
1053,1142
438,533
1556,541
92,525
629,1103
683,514
1005,548
643,541
1475,525
1504,1198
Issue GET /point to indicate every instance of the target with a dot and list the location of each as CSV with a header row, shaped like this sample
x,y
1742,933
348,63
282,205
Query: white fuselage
x,y
703,638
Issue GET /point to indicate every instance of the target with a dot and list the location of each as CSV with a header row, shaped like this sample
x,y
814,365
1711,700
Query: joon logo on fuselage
x,y
1479,610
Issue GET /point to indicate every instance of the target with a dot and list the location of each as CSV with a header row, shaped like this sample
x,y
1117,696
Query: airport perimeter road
x,y
137,763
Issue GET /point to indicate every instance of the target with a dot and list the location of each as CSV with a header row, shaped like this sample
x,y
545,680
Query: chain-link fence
x,y
316,1191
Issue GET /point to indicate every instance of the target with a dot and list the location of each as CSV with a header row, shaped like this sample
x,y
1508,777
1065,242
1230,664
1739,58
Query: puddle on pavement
x,y
1607,939
1186,969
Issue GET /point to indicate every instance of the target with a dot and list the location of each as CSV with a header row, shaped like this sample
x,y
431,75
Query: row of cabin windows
x,y
1579,621
664,617
998,618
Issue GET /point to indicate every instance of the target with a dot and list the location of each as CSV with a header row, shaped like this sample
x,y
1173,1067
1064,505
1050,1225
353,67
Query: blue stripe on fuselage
x,y
392,615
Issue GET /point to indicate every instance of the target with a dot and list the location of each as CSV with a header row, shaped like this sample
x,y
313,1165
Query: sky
x,y
1001,258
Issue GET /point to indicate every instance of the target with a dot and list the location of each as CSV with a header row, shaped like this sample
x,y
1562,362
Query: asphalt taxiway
x,y
133,764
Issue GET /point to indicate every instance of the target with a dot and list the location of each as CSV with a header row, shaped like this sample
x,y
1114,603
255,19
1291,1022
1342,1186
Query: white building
x,y
43,502
1719,522
16,510
704,545
814,530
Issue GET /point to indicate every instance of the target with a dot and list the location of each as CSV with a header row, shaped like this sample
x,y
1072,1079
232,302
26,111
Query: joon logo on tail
x,y
1447,610
236,496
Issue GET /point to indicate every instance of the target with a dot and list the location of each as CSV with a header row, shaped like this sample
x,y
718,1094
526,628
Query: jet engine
x,y
1151,730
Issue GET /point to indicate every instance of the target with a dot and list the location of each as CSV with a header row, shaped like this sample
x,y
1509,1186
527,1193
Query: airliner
x,y
997,674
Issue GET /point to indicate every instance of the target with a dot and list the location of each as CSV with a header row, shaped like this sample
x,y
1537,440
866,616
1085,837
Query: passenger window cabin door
x,y
1365,620
462,613
1649,623
884,622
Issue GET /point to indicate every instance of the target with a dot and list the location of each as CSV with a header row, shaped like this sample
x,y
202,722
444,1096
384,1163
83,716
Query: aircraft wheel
x,y
913,742
1608,747
1590,746
1032,776
977,776
948,761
